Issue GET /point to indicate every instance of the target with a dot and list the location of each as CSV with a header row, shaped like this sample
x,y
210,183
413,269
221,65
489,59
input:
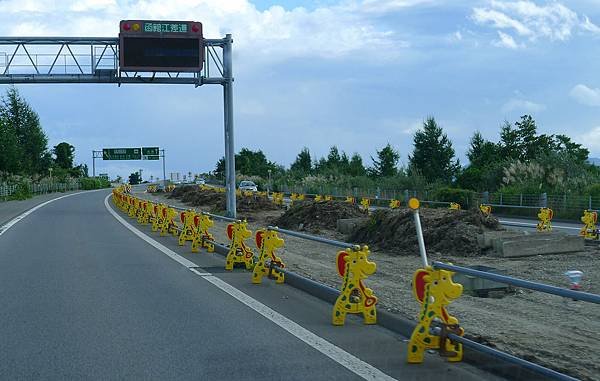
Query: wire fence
x,y
567,206
7,190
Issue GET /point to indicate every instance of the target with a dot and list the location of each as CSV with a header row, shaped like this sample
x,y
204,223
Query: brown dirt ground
x,y
555,332
315,216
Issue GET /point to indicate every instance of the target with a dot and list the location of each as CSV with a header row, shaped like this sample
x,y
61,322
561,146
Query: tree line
x,y
24,144
522,160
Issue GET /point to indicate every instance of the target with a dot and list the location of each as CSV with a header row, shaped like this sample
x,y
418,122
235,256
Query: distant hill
x,y
594,160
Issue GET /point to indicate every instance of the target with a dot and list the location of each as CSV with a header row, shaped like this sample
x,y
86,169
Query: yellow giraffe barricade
x,y
277,198
318,198
144,214
589,219
267,242
239,253
203,238
454,206
158,217
365,203
545,220
351,200
328,198
167,224
132,207
353,266
188,231
434,290
486,210
394,204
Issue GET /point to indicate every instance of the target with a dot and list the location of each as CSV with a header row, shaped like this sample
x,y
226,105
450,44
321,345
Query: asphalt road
x,y
83,297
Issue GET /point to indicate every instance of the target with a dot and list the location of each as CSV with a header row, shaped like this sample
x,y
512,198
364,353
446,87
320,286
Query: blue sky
x,y
354,73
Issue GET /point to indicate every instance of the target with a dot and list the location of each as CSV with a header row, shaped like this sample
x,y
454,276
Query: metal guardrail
x,y
344,245
565,293
508,357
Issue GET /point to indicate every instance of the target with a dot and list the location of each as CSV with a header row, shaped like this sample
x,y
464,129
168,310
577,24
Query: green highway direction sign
x,y
146,153
150,153
121,154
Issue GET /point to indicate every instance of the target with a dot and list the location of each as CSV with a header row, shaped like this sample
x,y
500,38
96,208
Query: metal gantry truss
x,y
45,60
92,60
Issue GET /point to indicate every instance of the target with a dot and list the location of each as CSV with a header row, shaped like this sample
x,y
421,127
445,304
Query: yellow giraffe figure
x,y
168,225
545,223
353,266
394,204
203,238
238,251
350,200
486,210
365,203
589,230
434,289
158,217
267,242
454,206
188,231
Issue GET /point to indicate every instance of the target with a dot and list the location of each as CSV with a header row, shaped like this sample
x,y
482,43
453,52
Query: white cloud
x,y
585,95
591,140
276,33
552,21
506,41
519,104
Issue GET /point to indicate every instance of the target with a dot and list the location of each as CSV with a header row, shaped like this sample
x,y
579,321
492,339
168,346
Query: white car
x,y
200,182
248,186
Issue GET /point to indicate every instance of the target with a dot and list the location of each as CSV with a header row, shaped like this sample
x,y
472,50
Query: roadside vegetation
x,y
521,161
25,158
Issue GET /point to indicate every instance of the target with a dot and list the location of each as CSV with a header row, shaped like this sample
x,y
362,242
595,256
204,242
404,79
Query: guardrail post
x,y
590,202
544,200
486,197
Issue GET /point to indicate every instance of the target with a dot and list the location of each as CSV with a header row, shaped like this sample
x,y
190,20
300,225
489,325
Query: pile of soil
x,y
313,216
449,232
194,196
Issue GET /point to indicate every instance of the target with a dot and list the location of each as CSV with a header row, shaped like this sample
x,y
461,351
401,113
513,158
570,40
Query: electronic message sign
x,y
121,154
160,46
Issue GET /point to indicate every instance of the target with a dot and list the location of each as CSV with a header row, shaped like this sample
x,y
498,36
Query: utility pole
x,y
140,175
228,120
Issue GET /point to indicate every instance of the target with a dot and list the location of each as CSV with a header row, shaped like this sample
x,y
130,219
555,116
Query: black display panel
x,y
156,53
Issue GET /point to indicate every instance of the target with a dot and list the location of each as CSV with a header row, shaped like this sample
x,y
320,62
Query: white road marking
x,y
337,354
170,253
4,228
528,224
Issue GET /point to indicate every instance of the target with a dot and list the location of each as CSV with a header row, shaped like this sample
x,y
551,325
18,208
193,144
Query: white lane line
x,y
528,224
170,253
337,354
4,228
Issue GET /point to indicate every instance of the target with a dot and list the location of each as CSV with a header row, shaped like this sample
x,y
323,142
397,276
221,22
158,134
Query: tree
x,y
135,178
303,162
433,154
220,168
10,153
253,163
23,146
64,153
355,166
385,164
481,152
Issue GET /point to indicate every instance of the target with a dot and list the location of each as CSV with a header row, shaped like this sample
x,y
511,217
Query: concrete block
x,y
349,225
539,244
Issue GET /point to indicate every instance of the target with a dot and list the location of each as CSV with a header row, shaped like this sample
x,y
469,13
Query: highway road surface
x,y
86,295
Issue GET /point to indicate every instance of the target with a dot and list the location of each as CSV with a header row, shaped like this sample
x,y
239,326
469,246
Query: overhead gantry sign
x,y
146,52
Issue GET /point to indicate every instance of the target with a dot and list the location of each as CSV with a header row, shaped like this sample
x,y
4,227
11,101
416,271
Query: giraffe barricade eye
x,y
435,282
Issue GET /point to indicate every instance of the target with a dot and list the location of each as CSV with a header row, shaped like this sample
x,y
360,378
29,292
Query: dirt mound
x,y
179,192
317,215
445,231
194,196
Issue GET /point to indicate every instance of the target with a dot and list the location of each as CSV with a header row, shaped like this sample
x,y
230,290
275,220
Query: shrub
x,y
89,183
21,193
464,197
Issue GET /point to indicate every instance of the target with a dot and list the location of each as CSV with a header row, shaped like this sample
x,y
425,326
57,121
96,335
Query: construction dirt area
x,y
558,333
